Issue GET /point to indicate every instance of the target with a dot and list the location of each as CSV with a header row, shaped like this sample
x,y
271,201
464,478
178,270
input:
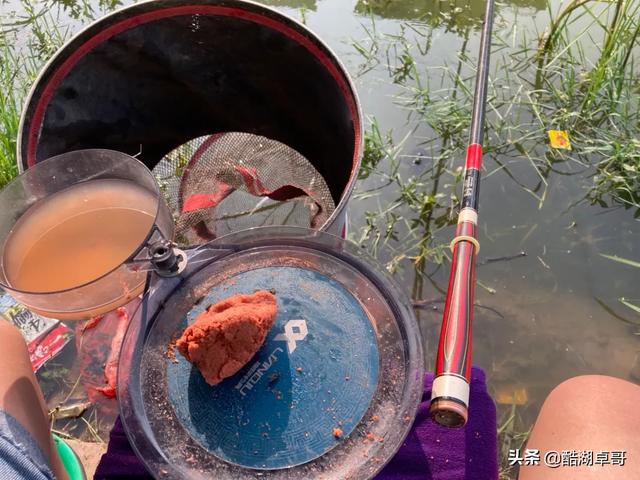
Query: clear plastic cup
x,y
81,275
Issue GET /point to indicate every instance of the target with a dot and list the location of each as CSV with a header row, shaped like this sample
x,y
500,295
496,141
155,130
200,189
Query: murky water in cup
x,y
78,235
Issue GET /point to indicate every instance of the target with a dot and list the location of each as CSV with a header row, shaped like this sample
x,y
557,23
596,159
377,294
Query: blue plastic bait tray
x,y
331,393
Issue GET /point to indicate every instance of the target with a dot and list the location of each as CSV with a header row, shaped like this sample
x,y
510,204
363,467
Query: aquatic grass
x,y
398,226
438,102
594,96
411,185
611,311
46,33
607,79
618,176
84,9
622,260
632,306
376,147
557,80
16,75
39,25
624,301
9,117
511,435
368,48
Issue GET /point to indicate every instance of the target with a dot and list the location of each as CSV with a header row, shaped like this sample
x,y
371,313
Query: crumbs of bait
x,y
337,432
274,377
170,353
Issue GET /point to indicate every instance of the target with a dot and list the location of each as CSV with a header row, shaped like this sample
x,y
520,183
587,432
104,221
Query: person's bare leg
x,y
20,395
589,413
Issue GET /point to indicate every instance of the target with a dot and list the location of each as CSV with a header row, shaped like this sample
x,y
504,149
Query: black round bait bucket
x,y
153,76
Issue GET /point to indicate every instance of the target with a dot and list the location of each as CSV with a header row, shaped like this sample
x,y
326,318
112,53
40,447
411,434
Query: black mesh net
x,y
218,184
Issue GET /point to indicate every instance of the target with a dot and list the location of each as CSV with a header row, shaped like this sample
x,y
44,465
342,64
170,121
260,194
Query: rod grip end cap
x,y
448,413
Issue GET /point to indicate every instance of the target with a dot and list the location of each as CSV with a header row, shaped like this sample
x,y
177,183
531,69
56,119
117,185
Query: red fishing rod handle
x,y
450,392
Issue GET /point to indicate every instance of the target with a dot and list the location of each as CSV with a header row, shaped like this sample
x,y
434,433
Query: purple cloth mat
x,y
433,452
430,452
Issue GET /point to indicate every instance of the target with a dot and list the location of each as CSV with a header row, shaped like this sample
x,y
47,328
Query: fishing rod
x,y
450,392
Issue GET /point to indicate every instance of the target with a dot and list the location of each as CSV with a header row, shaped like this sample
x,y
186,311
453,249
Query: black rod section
x,y
482,76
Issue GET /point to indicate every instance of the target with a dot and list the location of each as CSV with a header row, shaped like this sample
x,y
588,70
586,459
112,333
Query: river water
x,y
542,317
546,323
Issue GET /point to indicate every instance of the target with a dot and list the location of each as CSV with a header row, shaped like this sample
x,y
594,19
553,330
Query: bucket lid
x,y
332,391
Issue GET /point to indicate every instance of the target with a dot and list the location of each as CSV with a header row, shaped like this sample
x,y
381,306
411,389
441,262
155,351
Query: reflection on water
x,y
308,4
452,13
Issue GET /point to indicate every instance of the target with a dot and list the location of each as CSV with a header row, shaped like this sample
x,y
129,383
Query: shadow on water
x,y
307,4
453,14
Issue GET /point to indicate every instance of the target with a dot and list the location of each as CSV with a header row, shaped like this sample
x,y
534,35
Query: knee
x,y
587,409
592,390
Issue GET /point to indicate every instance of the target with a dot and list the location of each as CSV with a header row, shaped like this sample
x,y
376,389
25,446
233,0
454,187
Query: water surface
x,y
543,317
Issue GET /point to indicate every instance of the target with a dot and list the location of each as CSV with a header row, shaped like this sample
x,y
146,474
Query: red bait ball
x,y
228,334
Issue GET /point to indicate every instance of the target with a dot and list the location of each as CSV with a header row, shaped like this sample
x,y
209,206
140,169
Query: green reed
x,y
587,74
579,76
28,39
